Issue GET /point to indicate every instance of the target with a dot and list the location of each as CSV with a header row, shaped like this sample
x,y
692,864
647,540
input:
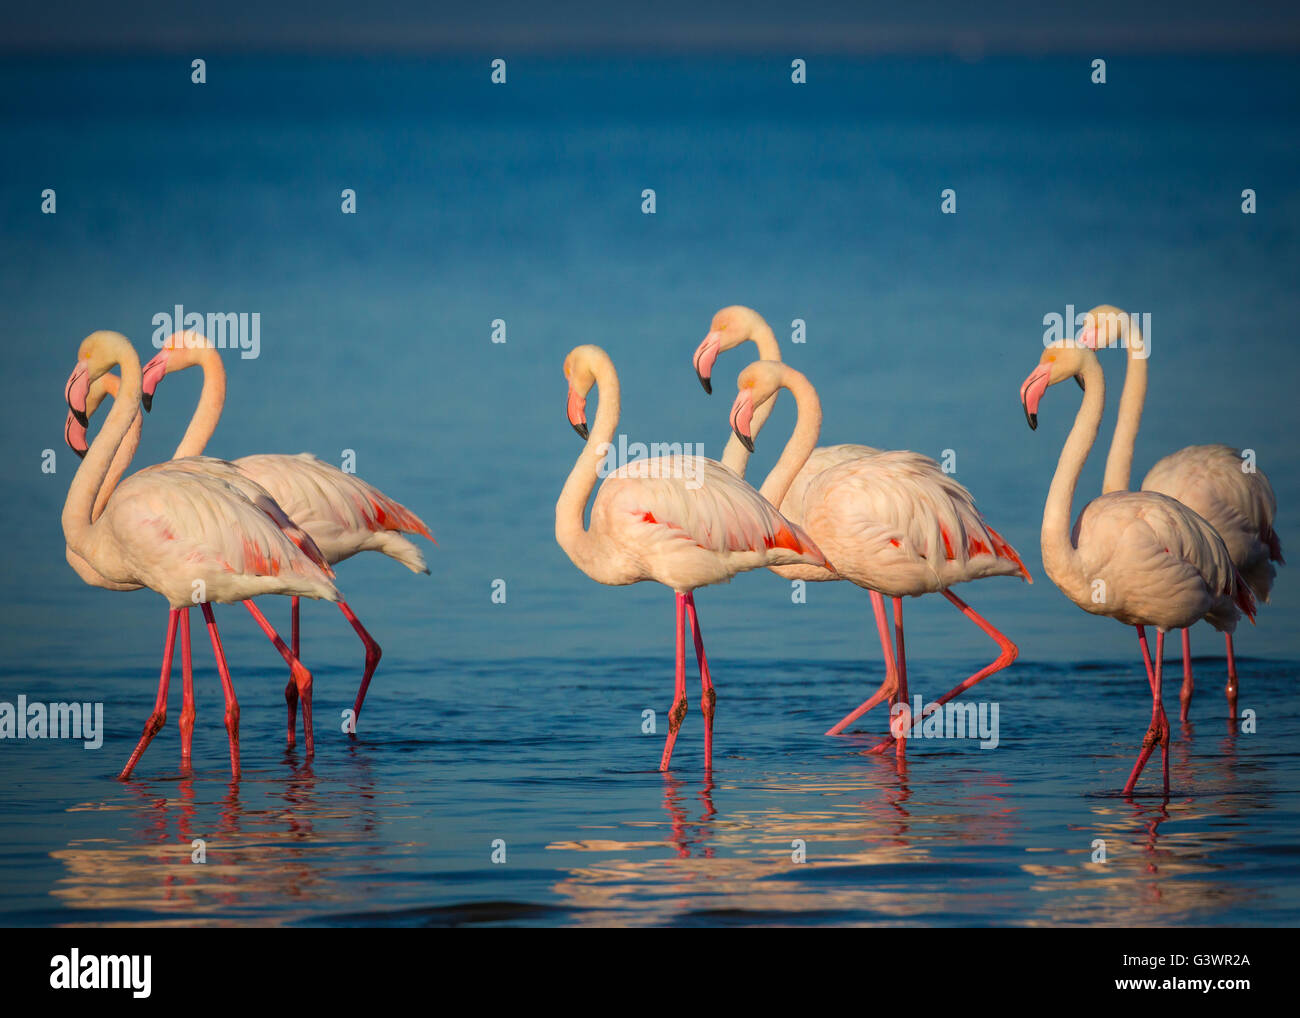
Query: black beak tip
x,y
1079,379
1032,419
745,440
81,453
581,429
80,417
705,381
147,400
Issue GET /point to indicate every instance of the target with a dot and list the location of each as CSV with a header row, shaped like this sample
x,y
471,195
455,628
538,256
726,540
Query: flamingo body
x,y
1239,505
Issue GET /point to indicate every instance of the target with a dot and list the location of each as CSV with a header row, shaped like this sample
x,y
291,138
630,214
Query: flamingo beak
x,y
742,415
577,414
1031,393
77,391
74,433
705,354
153,374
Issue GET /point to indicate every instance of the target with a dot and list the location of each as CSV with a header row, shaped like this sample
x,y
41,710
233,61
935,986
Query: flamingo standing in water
x,y
179,532
342,513
107,385
684,522
1213,480
1140,557
899,525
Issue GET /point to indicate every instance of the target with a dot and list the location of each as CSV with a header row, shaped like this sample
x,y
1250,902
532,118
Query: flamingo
x,y
1140,557
685,522
899,524
181,533
1210,479
107,385
342,513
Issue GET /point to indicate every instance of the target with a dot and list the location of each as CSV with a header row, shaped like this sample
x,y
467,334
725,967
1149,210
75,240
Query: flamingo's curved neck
x,y
1119,461
79,507
1060,557
570,530
802,442
122,458
735,455
211,400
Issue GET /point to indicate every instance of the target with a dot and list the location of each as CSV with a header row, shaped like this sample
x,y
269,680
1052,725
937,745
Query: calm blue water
x,y
521,721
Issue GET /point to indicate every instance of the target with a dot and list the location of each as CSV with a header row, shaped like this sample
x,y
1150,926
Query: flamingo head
x,y
74,431
179,350
1056,365
756,385
99,353
581,377
730,327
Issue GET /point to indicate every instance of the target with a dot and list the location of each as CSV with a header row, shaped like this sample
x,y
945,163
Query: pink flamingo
x,y
684,522
342,513
181,533
899,525
1210,479
75,435
1140,557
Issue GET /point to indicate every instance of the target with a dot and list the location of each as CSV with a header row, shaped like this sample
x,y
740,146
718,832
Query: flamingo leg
x,y
1185,694
1007,653
159,716
300,674
900,724
373,654
227,687
678,712
889,687
1231,687
291,690
187,691
1159,730
708,698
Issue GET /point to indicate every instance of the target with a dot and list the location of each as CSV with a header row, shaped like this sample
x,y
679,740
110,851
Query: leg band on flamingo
x,y
889,687
678,712
1007,653
159,716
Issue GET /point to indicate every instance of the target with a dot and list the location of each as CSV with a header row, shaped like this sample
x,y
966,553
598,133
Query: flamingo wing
x,y
342,513
700,501
176,524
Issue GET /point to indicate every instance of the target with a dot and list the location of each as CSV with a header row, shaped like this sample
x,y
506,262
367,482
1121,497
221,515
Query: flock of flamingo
x,y
1196,542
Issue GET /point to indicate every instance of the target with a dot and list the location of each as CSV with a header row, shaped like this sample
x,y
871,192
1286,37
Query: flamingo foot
x,y
1231,688
1157,735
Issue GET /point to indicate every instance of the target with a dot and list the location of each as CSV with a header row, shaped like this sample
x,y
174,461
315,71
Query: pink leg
x,y
889,687
227,687
187,688
1185,694
1158,733
708,698
373,654
1007,653
678,713
291,690
902,724
1231,688
159,716
300,674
